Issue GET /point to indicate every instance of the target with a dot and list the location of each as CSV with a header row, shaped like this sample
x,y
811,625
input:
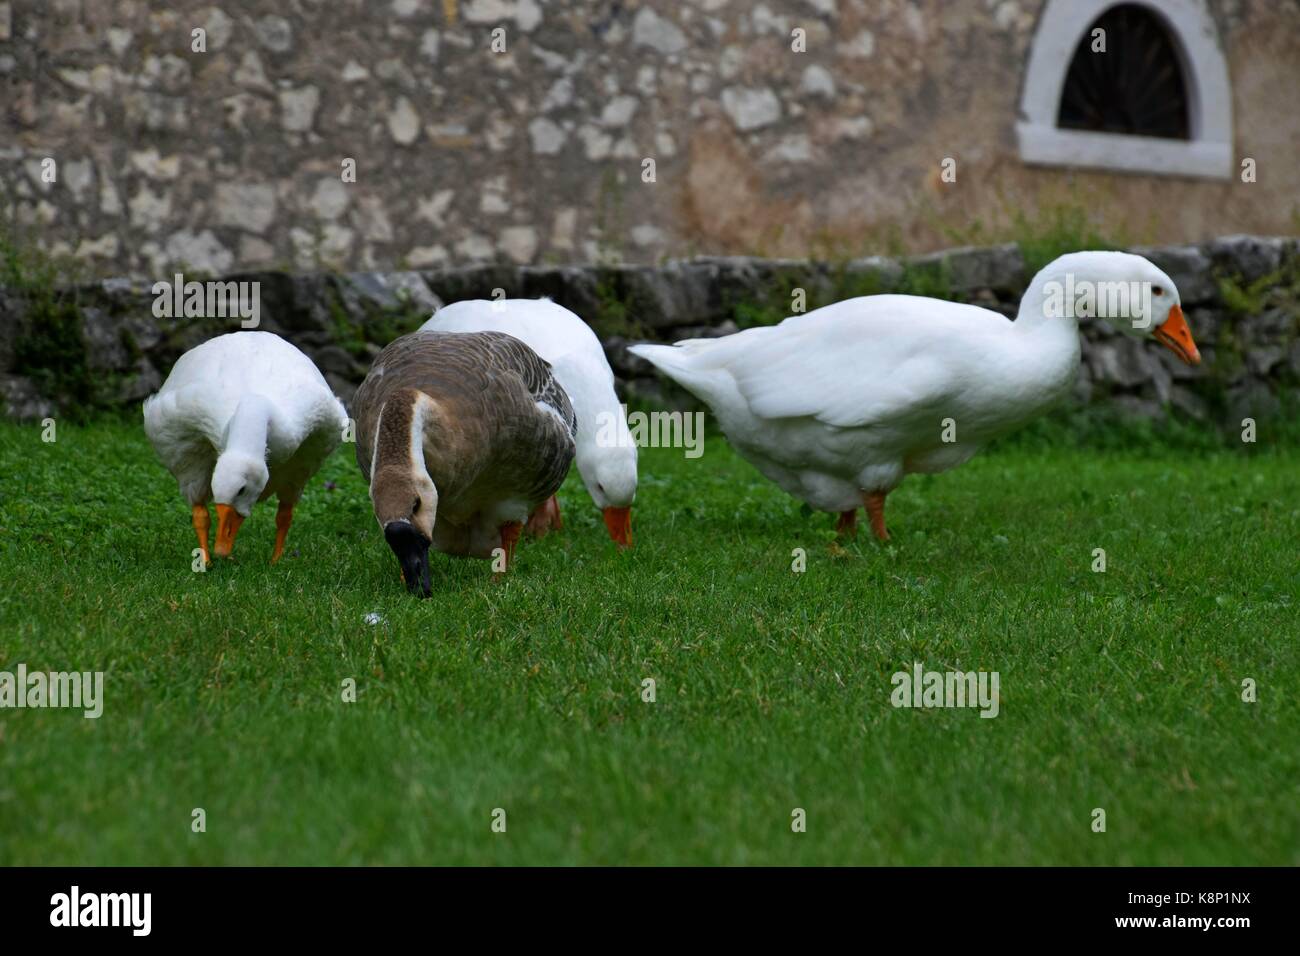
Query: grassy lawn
x,y
1119,690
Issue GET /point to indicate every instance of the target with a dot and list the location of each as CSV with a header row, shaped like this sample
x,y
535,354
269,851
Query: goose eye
x,y
240,492
1158,290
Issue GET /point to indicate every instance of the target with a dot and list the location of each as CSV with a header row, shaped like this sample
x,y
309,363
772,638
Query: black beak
x,y
412,550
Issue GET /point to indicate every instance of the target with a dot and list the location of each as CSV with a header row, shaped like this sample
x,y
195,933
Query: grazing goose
x,y
242,417
461,436
606,454
838,405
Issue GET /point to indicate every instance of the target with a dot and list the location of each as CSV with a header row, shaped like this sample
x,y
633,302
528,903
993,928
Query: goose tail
x,y
682,363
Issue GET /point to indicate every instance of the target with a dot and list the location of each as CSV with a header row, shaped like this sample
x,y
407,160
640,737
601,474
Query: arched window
x,y
1137,87
1133,84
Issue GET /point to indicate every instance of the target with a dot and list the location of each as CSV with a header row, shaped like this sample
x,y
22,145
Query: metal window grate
x,y
1135,87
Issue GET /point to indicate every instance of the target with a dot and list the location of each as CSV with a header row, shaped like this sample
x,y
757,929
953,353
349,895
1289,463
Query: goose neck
x,y
250,427
399,436
1044,305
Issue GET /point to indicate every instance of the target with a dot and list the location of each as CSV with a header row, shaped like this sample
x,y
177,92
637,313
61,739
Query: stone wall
x,y
100,345
231,159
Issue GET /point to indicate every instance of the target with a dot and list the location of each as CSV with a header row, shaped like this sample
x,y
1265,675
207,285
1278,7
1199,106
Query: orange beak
x,y
228,522
619,523
1177,337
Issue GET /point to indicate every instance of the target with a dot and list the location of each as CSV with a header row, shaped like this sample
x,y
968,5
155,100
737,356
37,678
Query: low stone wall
x,y
100,345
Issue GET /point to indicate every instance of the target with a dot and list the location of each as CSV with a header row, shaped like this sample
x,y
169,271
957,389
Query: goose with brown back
x,y
461,437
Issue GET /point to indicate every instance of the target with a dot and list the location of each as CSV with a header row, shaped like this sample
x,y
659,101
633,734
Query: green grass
x,y
1118,690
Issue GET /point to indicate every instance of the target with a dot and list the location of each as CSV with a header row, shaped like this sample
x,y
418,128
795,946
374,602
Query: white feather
x,y
852,397
189,420
606,454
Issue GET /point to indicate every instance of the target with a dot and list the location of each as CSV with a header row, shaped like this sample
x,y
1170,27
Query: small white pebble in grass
x,y
798,820
1098,820
373,618
1248,690
199,820
1001,539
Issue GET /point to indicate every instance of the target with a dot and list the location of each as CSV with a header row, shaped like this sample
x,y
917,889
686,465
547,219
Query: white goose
x,y
240,418
606,453
838,405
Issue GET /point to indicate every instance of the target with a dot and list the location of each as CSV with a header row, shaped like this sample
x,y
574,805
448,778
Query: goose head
x,y
238,481
610,477
405,504
1127,291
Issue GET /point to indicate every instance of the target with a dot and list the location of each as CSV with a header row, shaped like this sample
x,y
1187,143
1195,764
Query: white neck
x,y
1042,355
249,428
591,393
1032,314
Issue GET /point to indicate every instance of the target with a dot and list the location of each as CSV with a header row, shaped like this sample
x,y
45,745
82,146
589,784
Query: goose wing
x,y
510,354
861,362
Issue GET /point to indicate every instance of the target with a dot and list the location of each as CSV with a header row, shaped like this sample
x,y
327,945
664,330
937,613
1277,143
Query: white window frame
x,y
1207,154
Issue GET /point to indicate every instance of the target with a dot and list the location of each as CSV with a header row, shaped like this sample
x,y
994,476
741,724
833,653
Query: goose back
x,y
498,425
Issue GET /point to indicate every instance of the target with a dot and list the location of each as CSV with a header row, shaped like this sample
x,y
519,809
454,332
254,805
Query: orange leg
x,y
509,537
545,517
202,525
539,522
875,502
283,518
847,525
